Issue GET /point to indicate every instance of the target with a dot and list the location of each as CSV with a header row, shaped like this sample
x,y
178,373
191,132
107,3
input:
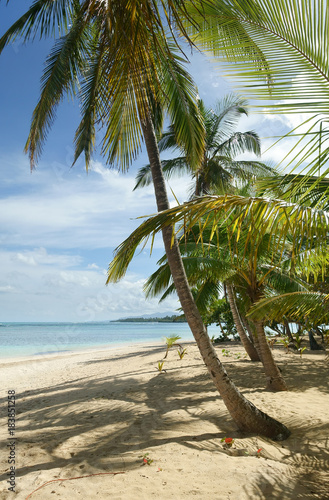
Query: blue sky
x,y
59,225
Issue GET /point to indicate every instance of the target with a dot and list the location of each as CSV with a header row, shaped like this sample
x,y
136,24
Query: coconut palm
x,y
208,274
253,224
218,170
126,72
251,274
252,348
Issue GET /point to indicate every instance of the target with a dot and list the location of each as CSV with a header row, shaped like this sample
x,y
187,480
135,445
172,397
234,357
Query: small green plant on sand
x,y
226,352
301,350
160,366
146,459
172,342
239,355
298,341
181,353
285,341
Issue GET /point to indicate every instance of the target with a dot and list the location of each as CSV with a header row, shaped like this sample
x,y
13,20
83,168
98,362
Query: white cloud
x,y
7,289
92,266
95,211
41,256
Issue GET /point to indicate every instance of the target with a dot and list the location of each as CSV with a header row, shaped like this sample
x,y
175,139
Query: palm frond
x,y
279,50
168,140
308,228
174,166
44,18
288,34
250,170
89,96
182,109
238,143
63,67
298,306
221,123
206,294
311,191
158,282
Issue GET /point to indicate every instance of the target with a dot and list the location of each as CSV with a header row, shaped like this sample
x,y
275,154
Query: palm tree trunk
x,y
247,417
221,328
275,381
288,331
249,347
249,327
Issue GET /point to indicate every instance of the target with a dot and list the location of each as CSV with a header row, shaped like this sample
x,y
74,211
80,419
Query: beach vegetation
x,y
219,170
219,312
146,459
301,350
160,366
172,342
226,352
285,341
181,353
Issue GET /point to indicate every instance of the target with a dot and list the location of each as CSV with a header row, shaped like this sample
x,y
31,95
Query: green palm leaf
x,y
297,306
309,190
63,67
44,18
120,62
308,228
217,167
279,51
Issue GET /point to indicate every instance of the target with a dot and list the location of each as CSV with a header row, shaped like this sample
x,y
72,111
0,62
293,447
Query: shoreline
x,y
68,338
108,349
100,412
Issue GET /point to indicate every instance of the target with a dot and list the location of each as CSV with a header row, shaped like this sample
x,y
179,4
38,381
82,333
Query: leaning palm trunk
x,y
288,331
252,335
275,381
247,417
249,347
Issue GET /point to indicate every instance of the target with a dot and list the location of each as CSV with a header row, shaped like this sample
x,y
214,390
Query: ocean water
x,y
36,339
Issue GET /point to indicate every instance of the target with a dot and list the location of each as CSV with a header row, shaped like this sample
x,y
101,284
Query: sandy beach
x,y
98,413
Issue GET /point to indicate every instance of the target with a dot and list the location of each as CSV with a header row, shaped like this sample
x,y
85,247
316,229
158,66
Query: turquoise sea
x,y
36,339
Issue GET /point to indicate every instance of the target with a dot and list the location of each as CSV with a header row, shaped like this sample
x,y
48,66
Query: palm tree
x,y
250,271
248,344
218,171
206,273
127,72
253,224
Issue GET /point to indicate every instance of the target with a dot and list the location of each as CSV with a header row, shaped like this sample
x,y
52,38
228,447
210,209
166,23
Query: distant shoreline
x,y
165,319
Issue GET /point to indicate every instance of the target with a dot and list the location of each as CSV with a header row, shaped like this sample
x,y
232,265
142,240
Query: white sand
x,y
96,412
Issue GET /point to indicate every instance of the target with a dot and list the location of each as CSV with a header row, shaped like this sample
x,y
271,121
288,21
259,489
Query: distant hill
x,y
161,318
